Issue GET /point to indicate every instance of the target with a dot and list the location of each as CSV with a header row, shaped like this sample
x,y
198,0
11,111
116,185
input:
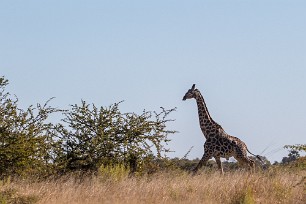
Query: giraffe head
x,y
191,93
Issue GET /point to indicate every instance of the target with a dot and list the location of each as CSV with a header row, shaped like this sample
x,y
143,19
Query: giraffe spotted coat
x,y
218,143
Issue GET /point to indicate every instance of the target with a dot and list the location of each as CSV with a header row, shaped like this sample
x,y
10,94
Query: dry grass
x,y
177,187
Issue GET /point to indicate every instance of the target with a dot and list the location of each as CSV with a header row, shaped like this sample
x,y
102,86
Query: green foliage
x,y
104,136
297,147
294,152
113,173
184,163
88,137
25,140
246,196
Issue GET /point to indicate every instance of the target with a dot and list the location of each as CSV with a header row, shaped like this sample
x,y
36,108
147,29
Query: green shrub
x,y
114,173
244,196
92,137
87,138
26,143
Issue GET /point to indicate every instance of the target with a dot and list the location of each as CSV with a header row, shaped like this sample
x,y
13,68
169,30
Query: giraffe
x,y
218,143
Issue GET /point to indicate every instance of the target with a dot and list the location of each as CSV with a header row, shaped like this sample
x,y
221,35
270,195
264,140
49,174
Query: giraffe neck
x,y
207,124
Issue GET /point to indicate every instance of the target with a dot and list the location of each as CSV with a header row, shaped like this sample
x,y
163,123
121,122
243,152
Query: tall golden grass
x,y
273,186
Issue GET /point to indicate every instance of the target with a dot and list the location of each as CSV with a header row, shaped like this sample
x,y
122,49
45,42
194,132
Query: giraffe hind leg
x,y
219,163
245,161
202,162
251,165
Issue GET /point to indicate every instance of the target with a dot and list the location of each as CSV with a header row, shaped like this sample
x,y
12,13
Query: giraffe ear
x,y
193,87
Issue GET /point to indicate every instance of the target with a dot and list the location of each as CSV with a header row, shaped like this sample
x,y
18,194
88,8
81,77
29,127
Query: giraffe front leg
x,y
219,163
202,162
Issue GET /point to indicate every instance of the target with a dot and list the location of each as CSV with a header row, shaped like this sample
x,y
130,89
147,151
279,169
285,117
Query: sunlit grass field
x,y
273,186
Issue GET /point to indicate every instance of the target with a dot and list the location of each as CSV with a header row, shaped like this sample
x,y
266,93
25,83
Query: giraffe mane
x,y
206,109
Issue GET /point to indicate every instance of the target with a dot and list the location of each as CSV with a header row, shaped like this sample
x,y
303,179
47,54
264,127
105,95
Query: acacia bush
x,y
294,158
87,137
93,136
26,142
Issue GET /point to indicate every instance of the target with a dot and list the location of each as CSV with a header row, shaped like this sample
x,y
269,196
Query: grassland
x,y
273,186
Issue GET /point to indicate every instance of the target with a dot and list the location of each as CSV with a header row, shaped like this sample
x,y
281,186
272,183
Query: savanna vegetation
x,y
98,154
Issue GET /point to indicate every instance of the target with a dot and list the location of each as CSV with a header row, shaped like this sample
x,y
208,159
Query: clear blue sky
x,y
247,57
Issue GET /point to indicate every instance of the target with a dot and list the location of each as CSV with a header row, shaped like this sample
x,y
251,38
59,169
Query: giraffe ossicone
x,y
218,143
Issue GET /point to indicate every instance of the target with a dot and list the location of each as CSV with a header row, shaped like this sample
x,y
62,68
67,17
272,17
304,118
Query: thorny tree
x,y
26,143
95,136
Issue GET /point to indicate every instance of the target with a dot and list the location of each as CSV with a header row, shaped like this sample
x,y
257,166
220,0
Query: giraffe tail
x,y
257,156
